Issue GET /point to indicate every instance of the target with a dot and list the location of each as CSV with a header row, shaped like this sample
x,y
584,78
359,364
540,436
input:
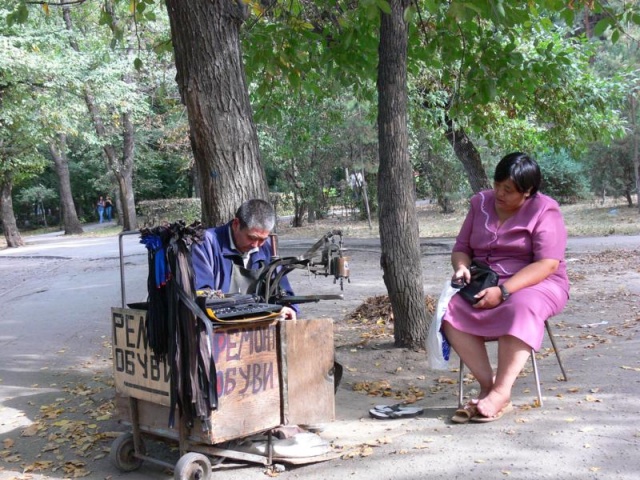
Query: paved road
x,y
56,295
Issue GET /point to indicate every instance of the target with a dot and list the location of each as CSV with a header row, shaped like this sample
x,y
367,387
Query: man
x,y
231,256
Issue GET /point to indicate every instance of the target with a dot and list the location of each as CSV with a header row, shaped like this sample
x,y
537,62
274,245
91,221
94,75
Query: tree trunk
x,y
469,156
9,224
122,168
365,196
400,257
211,79
70,220
635,155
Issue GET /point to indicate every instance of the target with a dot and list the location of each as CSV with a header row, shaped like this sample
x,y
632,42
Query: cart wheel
x,y
192,466
122,453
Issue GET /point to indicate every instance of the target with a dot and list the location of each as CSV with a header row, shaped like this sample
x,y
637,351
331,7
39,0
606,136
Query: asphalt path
x,y
56,294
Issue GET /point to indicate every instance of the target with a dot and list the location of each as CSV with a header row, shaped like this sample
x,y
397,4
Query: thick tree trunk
x,y
70,221
398,219
211,79
469,156
9,224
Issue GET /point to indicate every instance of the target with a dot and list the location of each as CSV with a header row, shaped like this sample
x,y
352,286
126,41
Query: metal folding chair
x,y
533,362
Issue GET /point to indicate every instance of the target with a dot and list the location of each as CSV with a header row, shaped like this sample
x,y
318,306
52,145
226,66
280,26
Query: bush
x,y
155,212
562,177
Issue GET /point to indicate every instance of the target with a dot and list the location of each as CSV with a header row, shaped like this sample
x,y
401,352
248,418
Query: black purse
x,y
481,277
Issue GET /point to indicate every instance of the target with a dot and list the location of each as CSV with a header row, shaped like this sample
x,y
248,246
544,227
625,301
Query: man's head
x,y
252,224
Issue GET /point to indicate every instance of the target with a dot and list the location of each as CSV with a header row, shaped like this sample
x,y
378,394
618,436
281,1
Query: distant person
x,y
231,257
108,208
521,235
100,207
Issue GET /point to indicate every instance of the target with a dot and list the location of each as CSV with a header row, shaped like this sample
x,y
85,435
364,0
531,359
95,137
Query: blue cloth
x,y
213,260
156,249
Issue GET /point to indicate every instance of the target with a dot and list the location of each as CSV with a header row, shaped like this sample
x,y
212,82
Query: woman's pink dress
x,y
535,232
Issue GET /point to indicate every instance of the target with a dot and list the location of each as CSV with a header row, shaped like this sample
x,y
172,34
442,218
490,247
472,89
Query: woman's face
x,y
508,198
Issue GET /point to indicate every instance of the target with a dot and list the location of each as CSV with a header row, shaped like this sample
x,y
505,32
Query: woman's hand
x,y
461,274
488,298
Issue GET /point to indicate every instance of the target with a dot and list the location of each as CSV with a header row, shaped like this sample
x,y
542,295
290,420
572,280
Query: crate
x,y
268,374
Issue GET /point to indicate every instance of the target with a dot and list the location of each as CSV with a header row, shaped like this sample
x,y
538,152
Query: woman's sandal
x,y
479,418
466,412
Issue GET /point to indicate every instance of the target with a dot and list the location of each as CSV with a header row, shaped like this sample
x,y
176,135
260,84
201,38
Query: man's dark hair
x,y
522,169
256,213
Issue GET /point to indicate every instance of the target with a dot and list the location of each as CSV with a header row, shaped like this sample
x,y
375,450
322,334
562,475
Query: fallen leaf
x,y
30,431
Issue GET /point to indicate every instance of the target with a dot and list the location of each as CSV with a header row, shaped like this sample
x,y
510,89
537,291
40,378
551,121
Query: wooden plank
x,y
307,365
152,418
247,369
246,358
251,360
137,371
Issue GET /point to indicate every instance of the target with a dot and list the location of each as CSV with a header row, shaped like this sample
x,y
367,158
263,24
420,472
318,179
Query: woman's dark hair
x,y
522,169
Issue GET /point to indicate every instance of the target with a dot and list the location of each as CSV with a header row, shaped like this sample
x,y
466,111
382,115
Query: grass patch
x,y
586,219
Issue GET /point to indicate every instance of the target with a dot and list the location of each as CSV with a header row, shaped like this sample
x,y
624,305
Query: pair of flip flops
x,y
386,412
469,413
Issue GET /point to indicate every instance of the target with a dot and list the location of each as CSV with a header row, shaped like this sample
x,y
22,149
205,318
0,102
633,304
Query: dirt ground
x,y
585,424
604,306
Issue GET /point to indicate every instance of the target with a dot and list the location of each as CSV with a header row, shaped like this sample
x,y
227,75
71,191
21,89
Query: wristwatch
x,y
505,293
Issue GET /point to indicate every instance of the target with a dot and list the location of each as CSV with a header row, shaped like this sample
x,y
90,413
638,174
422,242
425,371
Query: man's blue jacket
x,y
213,260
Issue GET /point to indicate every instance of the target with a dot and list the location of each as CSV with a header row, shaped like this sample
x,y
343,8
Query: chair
x,y
533,362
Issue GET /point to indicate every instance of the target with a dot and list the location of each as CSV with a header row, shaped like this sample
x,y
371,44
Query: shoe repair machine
x,y
249,377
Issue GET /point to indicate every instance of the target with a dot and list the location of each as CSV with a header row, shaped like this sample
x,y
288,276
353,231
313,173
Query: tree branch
x,y
59,4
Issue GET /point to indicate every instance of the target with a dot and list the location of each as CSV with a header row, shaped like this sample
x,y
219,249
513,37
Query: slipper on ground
x,y
384,412
466,412
479,418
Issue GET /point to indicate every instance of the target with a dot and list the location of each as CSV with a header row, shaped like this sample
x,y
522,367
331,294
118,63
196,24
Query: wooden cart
x,y
269,373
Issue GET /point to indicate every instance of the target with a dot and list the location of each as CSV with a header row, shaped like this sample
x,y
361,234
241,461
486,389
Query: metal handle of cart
x,y
123,294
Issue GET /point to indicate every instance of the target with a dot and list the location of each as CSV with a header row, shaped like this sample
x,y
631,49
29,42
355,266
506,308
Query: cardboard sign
x,y
138,372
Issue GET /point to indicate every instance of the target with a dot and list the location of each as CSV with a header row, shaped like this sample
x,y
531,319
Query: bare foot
x,y
486,389
491,404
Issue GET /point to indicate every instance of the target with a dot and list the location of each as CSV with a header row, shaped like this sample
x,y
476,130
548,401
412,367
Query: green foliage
x,y
309,149
156,212
563,177
37,194
506,72
610,168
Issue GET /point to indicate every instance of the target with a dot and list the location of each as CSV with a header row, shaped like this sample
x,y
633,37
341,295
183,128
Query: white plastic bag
x,y
437,346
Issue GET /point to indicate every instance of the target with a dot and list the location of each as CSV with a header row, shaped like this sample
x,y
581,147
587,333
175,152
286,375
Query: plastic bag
x,y
437,346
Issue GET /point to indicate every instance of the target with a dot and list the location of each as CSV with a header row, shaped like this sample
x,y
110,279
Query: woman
x,y
520,234
108,208
100,208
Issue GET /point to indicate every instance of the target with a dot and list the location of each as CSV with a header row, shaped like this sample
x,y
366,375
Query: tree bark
x,y
70,220
212,84
9,224
400,257
469,156
635,156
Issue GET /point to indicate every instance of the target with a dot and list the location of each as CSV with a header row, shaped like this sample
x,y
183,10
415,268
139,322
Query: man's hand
x,y
288,313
